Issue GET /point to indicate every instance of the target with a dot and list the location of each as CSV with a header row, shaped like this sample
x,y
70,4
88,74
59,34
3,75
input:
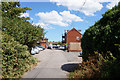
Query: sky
x,y
55,16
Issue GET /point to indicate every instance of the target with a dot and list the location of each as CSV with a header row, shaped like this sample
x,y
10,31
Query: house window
x,y
77,38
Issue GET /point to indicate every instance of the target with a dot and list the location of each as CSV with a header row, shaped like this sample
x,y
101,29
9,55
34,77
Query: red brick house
x,y
73,40
44,42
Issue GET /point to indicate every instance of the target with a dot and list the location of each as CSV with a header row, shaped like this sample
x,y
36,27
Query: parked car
x,y
49,47
62,47
35,50
81,53
55,46
41,47
58,45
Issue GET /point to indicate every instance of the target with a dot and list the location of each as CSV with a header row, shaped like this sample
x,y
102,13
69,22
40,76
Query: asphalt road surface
x,y
54,64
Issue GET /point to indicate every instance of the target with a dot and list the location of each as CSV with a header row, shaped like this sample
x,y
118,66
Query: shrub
x,y
104,35
15,58
0,55
97,67
101,48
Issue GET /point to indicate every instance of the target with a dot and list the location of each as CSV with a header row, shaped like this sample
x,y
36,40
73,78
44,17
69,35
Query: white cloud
x,y
111,3
31,18
68,17
89,8
55,18
51,18
24,15
45,26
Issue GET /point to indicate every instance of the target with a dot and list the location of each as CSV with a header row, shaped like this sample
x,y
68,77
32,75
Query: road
x,y
54,64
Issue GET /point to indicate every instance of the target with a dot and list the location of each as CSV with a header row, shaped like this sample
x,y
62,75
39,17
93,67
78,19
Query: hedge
x,y
15,58
104,35
101,49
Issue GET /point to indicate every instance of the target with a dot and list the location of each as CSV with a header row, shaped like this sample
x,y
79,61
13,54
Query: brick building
x,y
73,39
44,42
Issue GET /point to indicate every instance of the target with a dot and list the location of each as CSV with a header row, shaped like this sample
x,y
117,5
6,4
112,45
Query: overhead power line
x,y
82,5
79,12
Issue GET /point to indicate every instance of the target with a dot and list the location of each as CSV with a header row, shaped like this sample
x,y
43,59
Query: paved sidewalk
x,y
53,64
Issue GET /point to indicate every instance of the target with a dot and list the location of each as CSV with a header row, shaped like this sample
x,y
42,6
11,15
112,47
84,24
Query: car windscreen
x,y
40,46
34,47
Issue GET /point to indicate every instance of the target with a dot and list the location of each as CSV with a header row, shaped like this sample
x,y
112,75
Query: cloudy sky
x,y
55,16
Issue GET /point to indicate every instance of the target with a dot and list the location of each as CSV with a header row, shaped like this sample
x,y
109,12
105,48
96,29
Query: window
x,y
77,38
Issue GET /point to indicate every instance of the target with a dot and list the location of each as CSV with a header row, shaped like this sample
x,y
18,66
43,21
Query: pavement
x,y
54,64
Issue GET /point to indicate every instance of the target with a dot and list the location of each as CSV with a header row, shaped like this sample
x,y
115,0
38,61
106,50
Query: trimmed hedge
x,y
15,58
104,35
101,49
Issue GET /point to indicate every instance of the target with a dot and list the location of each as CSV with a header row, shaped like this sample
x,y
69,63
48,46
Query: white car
x,y
62,47
58,45
35,50
39,48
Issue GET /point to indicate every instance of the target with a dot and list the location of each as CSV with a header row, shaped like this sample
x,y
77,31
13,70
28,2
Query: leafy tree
x,y
57,43
22,30
12,9
18,35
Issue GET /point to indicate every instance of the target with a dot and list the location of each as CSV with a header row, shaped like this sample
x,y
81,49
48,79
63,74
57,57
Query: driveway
x,y
54,64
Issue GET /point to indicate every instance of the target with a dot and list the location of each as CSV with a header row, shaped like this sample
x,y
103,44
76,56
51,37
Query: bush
x,y
15,58
0,55
101,48
104,35
98,67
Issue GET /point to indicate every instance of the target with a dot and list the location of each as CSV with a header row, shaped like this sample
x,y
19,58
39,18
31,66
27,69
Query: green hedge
x,y
101,48
0,54
104,35
97,67
15,58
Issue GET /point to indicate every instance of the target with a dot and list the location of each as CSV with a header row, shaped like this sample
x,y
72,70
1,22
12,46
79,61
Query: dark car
x,y
81,53
49,47
55,46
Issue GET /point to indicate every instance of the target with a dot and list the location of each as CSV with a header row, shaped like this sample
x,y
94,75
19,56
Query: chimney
x,y
66,31
79,31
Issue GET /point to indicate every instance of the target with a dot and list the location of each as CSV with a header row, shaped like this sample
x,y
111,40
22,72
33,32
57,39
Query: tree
x,y
12,9
18,35
22,30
